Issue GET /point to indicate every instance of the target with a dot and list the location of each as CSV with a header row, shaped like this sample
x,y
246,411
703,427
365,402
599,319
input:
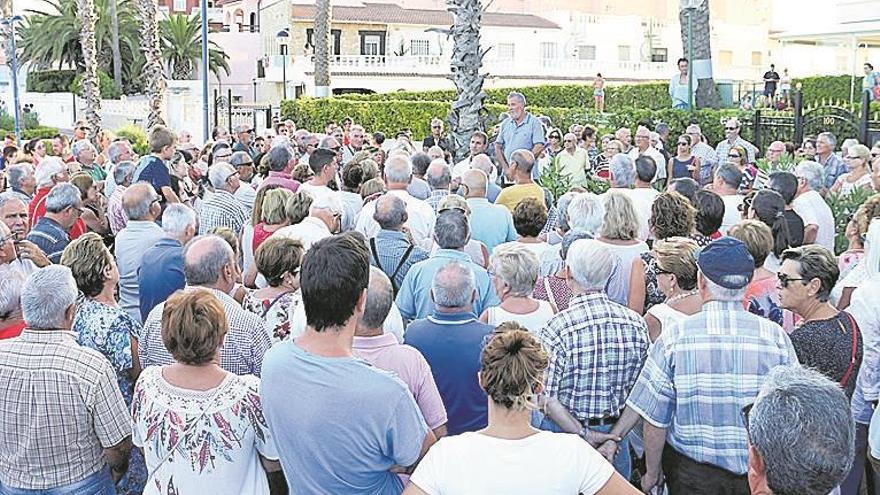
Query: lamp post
x,y
203,13
283,36
689,7
10,23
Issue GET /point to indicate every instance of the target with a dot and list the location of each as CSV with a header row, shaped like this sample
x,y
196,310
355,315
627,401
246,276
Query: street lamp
x,y
283,37
9,22
203,13
689,7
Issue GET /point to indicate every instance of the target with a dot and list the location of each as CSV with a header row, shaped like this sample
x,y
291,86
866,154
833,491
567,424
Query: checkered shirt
x,y
435,197
222,209
243,348
60,407
596,349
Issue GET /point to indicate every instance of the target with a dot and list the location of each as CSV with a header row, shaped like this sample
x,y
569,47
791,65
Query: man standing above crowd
x,y
522,131
643,148
833,166
771,79
731,130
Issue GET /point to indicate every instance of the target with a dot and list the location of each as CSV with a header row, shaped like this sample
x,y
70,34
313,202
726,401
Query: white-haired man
x,y
165,275
643,148
809,204
52,171
223,209
324,220
22,181
84,153
522,131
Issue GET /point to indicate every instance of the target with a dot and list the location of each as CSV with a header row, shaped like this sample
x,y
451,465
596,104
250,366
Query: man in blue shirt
x,y
451,232
522,131
63,209
164,274
490,224
392,250
451,340
341,425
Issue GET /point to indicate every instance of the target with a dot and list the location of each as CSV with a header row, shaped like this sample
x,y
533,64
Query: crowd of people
x,y
336,311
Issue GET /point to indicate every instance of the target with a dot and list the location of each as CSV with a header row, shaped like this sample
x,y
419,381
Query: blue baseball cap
x,y
727,262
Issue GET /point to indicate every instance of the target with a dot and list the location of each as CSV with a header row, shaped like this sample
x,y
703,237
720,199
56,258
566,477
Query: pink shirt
x,y
384,352
282,179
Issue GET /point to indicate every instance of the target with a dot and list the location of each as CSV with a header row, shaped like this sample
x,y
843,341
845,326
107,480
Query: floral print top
x,y
202,441
274,311
108,330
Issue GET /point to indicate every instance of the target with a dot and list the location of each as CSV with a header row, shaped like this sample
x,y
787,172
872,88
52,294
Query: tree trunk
x,y
706,95
114,44
154,76
323,15
5,31
468,113
90,87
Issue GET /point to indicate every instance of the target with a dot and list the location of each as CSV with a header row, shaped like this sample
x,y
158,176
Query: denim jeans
x,y
621,462
99,483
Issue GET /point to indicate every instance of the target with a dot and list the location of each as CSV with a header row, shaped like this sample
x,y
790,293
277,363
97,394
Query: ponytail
x,y
781,235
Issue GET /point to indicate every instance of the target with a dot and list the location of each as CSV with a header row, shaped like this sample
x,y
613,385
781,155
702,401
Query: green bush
x,y
136,136
36,132
105,82
50,81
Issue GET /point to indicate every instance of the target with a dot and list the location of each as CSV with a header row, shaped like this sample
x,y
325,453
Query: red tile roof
x,y
389,13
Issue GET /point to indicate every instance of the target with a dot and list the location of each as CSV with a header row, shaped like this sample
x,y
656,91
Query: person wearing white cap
x,y
324,220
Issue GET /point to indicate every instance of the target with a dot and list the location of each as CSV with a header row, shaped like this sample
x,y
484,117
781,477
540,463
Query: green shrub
x,y
105,82
50,81
136,136
36,132
843,206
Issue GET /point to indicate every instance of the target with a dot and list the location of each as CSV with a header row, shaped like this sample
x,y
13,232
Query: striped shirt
x,y
701,372
50,237
596,349
222,209
391,246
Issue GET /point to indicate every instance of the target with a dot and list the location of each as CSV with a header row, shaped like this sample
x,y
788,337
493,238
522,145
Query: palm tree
x,y
154,77
182,48
90,87
706,95
114,43
467,114
323,15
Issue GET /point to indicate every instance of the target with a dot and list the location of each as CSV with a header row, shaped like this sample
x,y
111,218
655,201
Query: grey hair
x,y
517,266
562,210
116,149
63,195
380,297
719,293
8,197
586,212
391,215
442,181
800,423
590,263
80,146
451,230
176,218
327,202
623,170
46,295
453,286
514,95
730,174
570,238
17,173
219,174
849,143
206,269
398,170
279,157
830,137
49,168
524,160
123,171
138,210
811,172
11,282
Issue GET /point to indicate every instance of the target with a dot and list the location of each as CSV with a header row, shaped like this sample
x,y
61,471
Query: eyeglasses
x,y
852,157
731,128
436,127
570,141
660,271
734,155
683,143
744,413
245,164
554,137
785,280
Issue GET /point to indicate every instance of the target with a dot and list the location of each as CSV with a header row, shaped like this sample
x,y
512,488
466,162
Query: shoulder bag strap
x,y
549,291
275,300
400,265
855,344
375,253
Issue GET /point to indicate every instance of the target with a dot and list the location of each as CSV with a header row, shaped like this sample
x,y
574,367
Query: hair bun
x,y
516,344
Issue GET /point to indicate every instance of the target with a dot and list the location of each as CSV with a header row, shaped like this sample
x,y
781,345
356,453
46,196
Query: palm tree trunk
x,y
114,44
6,12
467,114
90,87
706,94
323,14
154,76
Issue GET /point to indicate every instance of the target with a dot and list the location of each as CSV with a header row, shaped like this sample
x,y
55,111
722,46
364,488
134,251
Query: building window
x,y
335,37
756,59
586,52
548,50
623,53
659,55
419,47
725,58
179,5
372,43
506,51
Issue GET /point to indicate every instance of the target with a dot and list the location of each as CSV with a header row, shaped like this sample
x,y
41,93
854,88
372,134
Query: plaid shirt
x,y
596,350
243,348
60,408
222,209
435,197
701,372
723,148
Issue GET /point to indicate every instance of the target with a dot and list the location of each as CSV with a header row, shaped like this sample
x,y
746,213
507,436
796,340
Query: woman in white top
x,y
509,456
514,270
201,428
677,278
620,233
529,218
859,175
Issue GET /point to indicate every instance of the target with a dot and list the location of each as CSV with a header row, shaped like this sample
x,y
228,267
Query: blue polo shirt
x,y
414,295
153,169
490,224
451,343
522,136
160,275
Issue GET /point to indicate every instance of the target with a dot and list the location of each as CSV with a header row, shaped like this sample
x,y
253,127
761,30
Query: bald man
x,y
439,176
141,204
490,224
392,250
484,163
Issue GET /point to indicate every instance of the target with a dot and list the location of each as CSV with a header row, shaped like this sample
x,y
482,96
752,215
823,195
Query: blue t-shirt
x,y
451,343
160,275
339,423
152,169
522,136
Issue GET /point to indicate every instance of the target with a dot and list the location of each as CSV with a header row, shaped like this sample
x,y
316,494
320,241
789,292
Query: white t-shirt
x,y
655,155
463,166
316,191
420,221
815,211
545,463
642,198
732,215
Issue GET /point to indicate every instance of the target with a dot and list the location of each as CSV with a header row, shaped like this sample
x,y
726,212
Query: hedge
x,y
390,116
36,132
50,81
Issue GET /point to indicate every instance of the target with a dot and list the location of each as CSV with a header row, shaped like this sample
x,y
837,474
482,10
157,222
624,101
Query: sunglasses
x,y
731,128
554,137
785,280
683,143
852,157
660,271
734,155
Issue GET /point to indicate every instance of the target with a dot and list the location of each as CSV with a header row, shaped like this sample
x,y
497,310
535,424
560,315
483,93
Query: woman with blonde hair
x,y
510,456
268,216
859,171
620,230
676,269
514,270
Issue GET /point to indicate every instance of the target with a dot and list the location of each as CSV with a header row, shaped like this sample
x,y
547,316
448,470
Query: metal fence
x,y
228,113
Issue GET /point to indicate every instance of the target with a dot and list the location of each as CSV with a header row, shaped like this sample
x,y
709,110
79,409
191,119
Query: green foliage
x,y
35,132
596,185
844,206
50,81
787,162
826,88
108,90
181,42
136,136
555,181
